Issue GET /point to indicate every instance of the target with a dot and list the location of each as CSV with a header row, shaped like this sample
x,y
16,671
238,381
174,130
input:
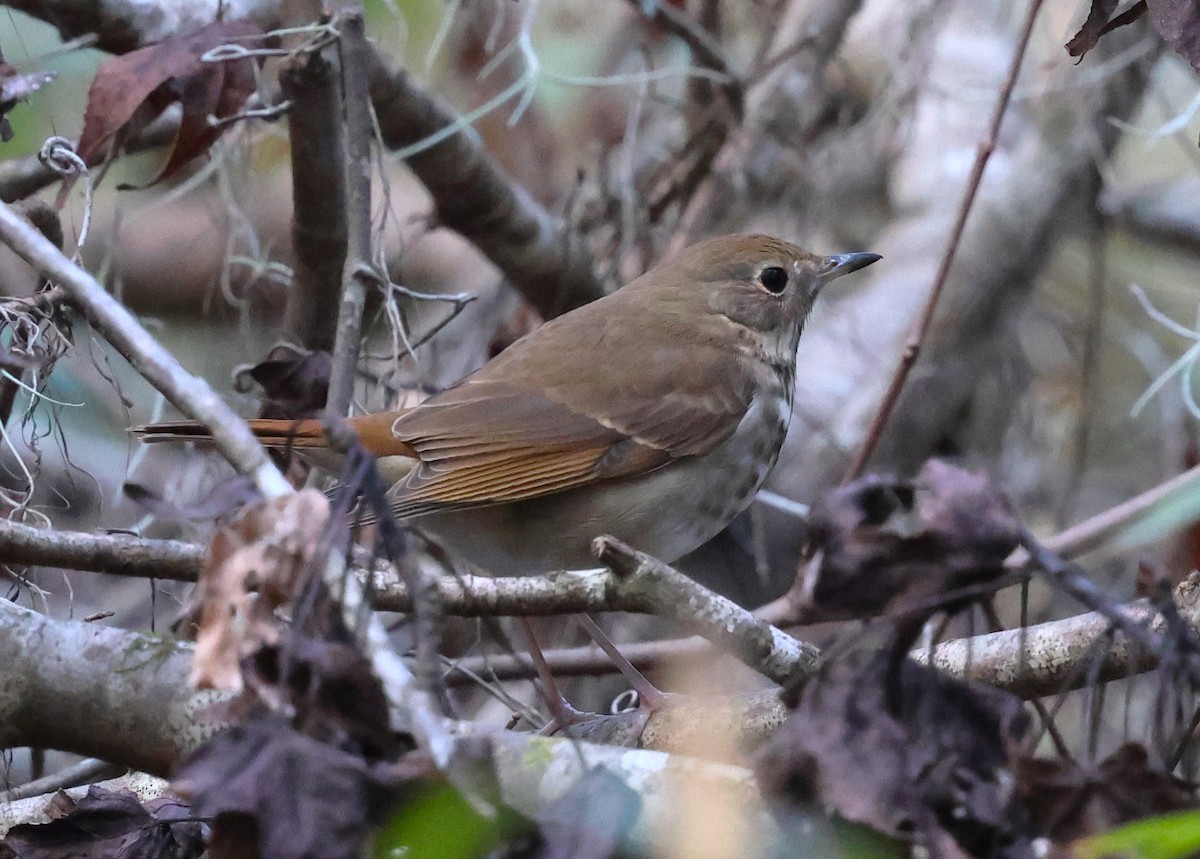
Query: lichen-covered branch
x,y
123,696
670,593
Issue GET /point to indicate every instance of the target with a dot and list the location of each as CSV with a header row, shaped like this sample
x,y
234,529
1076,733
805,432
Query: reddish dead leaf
x,y
107,824
131,90
268,548
886,545
1070,801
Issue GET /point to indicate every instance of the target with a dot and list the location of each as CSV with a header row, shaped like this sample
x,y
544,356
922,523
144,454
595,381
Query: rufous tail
x,y
374,433
272,433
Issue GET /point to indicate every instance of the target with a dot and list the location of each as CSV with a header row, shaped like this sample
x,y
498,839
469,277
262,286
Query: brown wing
x,y
497,438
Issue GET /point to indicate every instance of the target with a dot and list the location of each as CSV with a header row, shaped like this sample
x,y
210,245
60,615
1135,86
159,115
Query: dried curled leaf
x,y
1177,22
107,823
295,383
267,786
884,545
1097,24
1071,800
907,751
269,548
131,90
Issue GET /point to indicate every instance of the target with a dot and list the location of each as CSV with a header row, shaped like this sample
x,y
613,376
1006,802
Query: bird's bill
x,y
839,264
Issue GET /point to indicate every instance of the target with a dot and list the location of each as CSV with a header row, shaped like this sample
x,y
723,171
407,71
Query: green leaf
x,y
1171,836
438,824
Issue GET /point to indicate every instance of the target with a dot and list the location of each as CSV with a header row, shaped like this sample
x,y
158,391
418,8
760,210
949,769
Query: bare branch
x,y
21,177
311,82
587,661
125,697
120,554
668,592
123,25
355,58
1056,651
87,771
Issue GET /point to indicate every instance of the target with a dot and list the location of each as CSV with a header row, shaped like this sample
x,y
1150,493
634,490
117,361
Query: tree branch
x,y
123,25
311,81
132,706
1056,652
993,658
359,132
668,592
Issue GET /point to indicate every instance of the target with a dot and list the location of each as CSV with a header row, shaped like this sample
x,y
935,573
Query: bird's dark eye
x,y
774,279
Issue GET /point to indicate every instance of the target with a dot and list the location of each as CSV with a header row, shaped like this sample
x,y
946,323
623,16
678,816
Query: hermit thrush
x,y
653,414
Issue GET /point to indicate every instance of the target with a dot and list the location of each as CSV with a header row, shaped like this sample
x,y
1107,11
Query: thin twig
x,y
86,771
912,348
708,50
1093,331
1125,525
533,249
587,661
21,177
808,35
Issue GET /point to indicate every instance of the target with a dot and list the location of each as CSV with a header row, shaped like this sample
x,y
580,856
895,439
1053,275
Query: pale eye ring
x,y
774,279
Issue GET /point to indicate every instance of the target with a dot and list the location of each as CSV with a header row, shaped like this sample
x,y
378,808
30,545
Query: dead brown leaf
x,y
273,791
295,383
107,824
1178,22
905,750
328,686
131,90
885,545
269,548
1096,25
1071,800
